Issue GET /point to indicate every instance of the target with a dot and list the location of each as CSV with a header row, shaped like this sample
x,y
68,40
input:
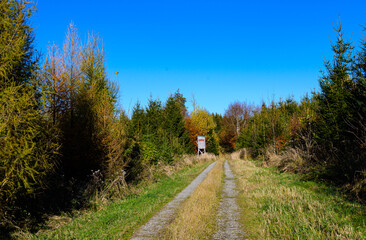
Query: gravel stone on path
x,y
228,214
156,224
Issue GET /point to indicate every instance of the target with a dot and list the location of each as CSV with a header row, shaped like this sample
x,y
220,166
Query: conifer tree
x,y
154,137
153,116
94,113
55,89
174,123
358,102
28,144
356,123
174,112
18,60
336,85
137,124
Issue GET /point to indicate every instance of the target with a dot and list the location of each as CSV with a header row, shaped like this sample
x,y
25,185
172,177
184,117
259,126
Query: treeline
x,y
63,136
323,135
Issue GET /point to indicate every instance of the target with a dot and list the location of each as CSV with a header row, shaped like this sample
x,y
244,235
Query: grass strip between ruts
x,y
196,217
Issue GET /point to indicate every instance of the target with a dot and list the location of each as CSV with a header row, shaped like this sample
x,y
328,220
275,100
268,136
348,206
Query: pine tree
x,y
154,116
174,112
137,124
154,137
336,85
28,143
356,123
18,59
358,102
173,116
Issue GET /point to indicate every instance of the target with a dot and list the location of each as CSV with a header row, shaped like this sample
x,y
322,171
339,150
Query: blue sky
x,y
219,51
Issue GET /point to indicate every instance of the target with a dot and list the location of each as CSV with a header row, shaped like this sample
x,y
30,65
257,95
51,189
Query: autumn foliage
x,y
202,123
63,137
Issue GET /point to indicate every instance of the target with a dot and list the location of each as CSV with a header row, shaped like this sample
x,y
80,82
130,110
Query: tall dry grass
x,y
182,162
239,154
290,160
117,188
280,206
196,218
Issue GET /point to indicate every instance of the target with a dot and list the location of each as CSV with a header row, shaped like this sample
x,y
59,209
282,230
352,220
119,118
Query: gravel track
x,y
228,213
156,224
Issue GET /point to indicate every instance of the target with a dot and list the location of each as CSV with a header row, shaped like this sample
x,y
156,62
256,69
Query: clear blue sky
x,y
220,51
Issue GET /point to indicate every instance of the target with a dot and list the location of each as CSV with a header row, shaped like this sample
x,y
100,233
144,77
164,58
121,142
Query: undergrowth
x,y
119,218
282,206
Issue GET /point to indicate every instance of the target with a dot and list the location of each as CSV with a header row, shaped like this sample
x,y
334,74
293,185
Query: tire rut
x,y
228,216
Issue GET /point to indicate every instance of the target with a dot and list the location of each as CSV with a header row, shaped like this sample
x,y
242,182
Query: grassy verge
x,y
196,218
118,220
281,206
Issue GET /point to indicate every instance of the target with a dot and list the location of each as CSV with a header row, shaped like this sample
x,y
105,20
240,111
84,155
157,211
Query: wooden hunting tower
x,y
201,145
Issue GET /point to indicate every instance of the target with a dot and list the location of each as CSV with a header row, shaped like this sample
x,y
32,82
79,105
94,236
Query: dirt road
x,y
228,216
228,213
156,224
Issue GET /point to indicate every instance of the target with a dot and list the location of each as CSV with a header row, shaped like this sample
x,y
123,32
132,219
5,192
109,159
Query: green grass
x,y
282,206
118,220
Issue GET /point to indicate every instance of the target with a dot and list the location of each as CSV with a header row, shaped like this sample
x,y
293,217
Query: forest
x,y
63,136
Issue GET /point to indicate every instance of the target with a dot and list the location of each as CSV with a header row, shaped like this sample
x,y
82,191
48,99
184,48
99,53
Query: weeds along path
x,y
284,206
156,224
228,217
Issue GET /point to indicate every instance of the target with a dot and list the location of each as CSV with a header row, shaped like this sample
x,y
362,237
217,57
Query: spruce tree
x,y
174,112
137,124
356,123
336,90
154,116
154,137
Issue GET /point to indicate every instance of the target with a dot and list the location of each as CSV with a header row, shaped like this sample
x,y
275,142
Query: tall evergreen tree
x,y
28,144
173,116
356,124
154,117
174,112
18,58
336,91
137,124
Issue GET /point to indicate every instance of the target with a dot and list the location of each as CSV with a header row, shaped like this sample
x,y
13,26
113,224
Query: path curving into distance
x,y
228,216
156,224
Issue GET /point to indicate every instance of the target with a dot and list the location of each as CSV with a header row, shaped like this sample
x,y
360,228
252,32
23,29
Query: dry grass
x,y
280,206
290,160
101,200
118,188
196,218
180,163
118,219
245,170
240,154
